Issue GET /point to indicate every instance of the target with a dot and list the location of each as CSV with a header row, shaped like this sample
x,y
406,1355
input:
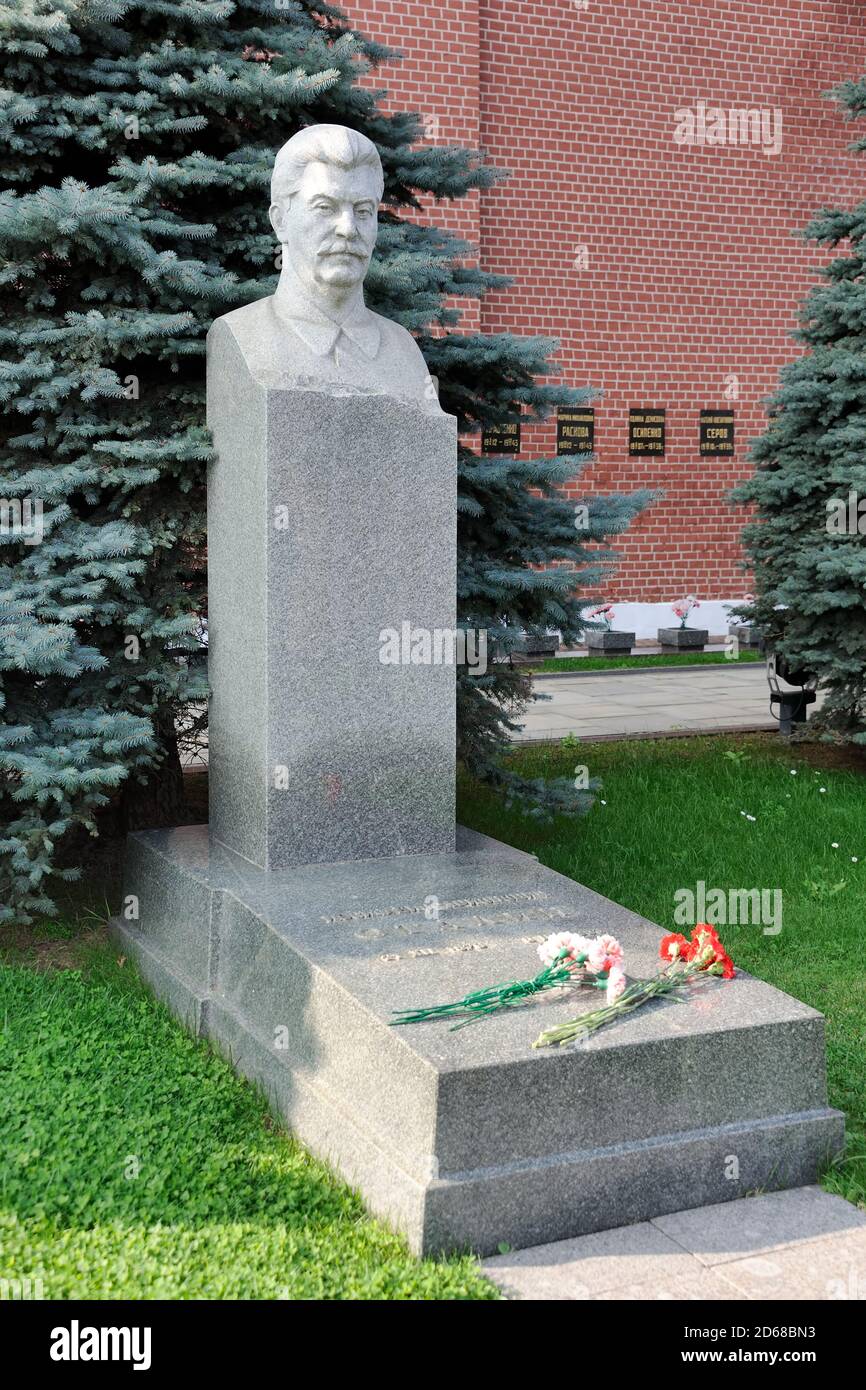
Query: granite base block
x,y
468,1139
620,643
677,639
320,542
747,635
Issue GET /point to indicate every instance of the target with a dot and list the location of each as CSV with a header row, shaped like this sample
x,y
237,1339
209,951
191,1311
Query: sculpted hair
x,y
323,144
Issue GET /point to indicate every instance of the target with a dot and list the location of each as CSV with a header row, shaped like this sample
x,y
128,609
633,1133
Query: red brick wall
x,y
693,271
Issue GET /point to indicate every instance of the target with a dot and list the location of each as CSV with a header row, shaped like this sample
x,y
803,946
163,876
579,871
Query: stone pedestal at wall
x,y
747,634
683,639
616,643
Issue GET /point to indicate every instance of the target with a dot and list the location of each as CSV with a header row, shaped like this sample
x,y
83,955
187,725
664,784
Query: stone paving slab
x,y
799,1244
817,1271
769,1222
589,1266
701,1285
711,699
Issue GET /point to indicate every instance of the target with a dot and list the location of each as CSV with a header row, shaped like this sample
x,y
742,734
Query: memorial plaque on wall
x,y
501,439
646,431
575,430
717,432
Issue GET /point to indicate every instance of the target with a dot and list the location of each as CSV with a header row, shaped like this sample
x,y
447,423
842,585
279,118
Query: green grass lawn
x,y
135,1164
635,661
669,815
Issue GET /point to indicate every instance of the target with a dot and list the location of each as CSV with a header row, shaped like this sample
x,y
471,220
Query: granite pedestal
x,y
331,521
611,641
677,639
468,1139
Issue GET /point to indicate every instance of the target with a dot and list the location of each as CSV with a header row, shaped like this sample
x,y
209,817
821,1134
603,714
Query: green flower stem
x,y
641,992
480,1002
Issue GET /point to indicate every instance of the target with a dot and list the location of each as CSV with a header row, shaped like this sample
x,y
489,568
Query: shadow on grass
x,y
135,1164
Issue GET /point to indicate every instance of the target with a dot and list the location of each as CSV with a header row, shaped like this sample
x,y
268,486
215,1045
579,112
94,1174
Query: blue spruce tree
x,y
806,541
127,125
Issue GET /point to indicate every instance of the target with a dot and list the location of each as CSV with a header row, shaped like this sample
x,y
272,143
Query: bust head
x,y
325,192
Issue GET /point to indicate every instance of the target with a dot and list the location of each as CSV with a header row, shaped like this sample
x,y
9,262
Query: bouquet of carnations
x,y
605,613
686,961
683,607
569,959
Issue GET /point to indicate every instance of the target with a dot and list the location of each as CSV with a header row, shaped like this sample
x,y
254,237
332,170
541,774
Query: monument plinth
x,y
331,520
463,1140
328,891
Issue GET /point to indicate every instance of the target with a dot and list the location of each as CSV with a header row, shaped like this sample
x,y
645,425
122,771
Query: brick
x,y
693,269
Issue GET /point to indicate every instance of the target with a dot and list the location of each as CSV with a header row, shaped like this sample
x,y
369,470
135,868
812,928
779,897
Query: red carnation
x,y
705,929
677,939
707,947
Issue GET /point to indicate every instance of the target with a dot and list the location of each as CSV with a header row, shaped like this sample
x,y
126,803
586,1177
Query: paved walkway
x,y
801,1244
686,698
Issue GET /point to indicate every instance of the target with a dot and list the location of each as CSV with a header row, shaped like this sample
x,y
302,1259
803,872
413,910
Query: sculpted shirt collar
x,y
295,306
